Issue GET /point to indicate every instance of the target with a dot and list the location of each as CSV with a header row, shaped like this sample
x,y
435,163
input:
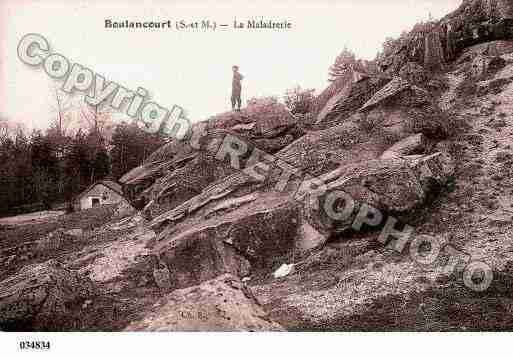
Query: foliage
x,y
51,167
130,146
298,100
347,61
257,102
344,62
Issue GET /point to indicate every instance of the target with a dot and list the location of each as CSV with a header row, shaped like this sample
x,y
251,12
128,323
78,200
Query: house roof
x,y
116,187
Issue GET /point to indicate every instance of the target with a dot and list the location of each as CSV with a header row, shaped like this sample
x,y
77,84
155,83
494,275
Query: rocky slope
x,y
261,220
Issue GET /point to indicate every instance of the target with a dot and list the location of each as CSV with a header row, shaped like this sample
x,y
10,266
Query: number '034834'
x,y
35,345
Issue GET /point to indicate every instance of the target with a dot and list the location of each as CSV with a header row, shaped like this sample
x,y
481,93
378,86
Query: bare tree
x,y
96,117
62,107
5,129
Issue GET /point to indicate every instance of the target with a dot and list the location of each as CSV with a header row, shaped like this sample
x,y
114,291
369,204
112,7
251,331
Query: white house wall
x,y
97,192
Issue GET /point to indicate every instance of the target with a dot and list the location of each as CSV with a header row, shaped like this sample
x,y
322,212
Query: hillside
x,y
389,207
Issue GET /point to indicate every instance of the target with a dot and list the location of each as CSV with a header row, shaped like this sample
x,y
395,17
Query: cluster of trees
x,y
53,166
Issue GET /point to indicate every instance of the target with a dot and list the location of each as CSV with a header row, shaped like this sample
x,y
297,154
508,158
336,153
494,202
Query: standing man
x,y
236,88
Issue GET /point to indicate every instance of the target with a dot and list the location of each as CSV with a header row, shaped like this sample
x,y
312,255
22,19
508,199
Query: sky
x,y
192,69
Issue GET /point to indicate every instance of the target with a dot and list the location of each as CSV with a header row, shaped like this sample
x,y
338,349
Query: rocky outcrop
x,y
294,217
391,186
42,297
434,44
409,146
398,92
307,215
382,290
183,168
349,97
228,233
339,89
350,157
228,238
434,57
220,304
396,112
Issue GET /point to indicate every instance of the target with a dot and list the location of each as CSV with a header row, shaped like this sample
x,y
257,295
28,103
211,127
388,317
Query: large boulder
x,y
339,89
396,186
229,238
220,304
400,109
344,97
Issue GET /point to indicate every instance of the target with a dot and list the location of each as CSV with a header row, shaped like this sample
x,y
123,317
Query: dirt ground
x,y
36,217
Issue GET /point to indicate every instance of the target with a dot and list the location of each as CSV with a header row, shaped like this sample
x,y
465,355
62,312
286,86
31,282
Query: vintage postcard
x,y
276,166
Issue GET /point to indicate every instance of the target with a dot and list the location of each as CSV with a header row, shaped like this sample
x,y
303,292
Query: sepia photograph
x,y
175,172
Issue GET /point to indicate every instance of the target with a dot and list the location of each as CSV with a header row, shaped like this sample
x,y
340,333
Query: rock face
x,y
255,232
414,73
230,233
386,291
434,44
340,88
182,169
240,222
392,185
409,146
221,304
434,58
349,98
42,297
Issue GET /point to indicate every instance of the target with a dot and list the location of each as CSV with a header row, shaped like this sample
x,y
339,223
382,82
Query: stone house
x,y
99,194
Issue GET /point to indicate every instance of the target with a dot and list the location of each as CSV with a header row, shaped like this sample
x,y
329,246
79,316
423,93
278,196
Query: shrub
x,y
298,100
257,102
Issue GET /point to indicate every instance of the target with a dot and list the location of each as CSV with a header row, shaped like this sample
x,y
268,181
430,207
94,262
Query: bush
x,y
258,102
298,100
267,105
